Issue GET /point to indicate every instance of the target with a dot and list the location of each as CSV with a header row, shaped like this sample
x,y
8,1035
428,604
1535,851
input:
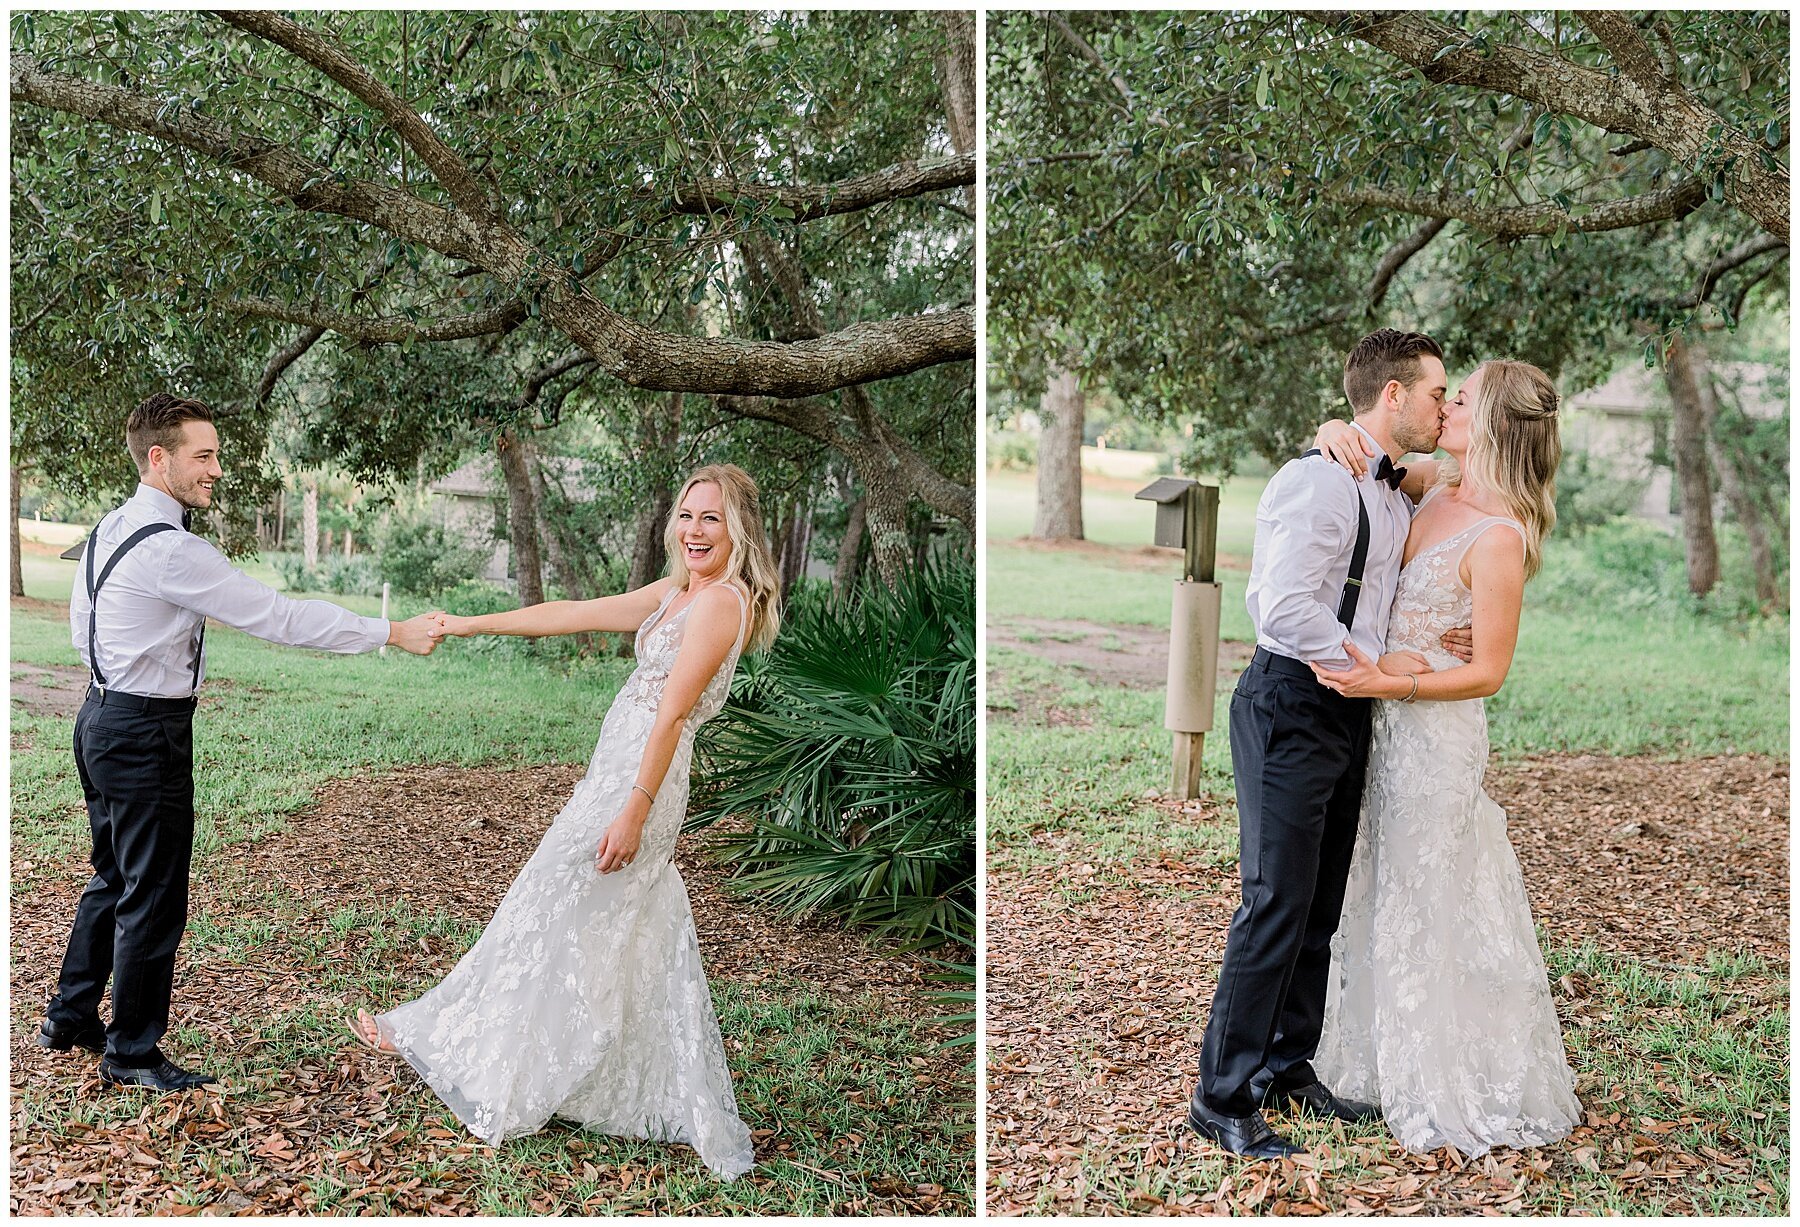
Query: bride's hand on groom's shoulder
x,y
1345,444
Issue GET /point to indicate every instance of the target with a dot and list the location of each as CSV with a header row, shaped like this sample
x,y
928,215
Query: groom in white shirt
x,y
143,591
1299,750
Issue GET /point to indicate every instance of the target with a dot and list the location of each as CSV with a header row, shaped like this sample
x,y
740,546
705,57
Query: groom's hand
x,y
414,634
1459,641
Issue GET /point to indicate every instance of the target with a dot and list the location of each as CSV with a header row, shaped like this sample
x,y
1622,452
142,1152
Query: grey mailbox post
x,y
1187,518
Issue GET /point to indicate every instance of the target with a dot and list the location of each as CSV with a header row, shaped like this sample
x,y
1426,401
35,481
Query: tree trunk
x,y
1687,439
309,525
1737,494
849,559
281,517
956,72
18,567
649,559
796,539
521,516
1059,459
888,542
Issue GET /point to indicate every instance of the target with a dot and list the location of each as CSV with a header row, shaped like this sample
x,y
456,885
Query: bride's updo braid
x,y
1514,448
750,563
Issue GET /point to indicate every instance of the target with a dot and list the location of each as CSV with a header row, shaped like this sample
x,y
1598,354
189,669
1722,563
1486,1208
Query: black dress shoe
x,y
1249,1136
59,1038
1316,1099
163,1075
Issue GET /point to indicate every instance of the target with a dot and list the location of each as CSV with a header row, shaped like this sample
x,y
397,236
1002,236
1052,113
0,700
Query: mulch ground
x,y
1098,978
447,839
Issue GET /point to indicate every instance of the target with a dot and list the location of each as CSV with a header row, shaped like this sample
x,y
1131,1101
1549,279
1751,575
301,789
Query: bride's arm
x,y
1497,581
625,612
712,628
1342,443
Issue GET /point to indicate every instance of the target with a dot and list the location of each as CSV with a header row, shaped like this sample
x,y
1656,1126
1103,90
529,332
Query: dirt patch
x,y
436,838
1099,979
1127,558
49,690
1134,657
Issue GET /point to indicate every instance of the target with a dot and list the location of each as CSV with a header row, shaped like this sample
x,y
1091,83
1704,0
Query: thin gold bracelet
x,y
646,791
1415,690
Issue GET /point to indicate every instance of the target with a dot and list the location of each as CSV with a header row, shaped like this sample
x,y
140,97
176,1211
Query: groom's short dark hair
x,y
157,422
1382,356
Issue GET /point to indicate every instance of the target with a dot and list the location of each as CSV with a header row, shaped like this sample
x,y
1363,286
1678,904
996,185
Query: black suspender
x,y
1359,557
93,590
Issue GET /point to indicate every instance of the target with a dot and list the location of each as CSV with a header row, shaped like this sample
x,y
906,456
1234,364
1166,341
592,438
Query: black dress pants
x,y
1300,753
135,758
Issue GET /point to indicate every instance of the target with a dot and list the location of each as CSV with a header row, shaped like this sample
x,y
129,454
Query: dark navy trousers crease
x,y
1300,754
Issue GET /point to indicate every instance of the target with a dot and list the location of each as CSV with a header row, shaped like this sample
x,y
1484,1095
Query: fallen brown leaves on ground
x,y
1099,978
434,839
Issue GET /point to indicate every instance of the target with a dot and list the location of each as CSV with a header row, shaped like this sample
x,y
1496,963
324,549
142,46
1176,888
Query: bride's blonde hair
x,y
1514,448
750,562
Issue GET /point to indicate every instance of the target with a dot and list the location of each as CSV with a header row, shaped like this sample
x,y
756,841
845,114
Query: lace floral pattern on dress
x,y
585,997
1438,1007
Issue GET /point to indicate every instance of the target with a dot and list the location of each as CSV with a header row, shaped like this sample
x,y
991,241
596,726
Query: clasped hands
x,y
420,635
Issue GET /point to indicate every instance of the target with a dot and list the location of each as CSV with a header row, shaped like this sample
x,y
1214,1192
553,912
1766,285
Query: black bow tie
x,y
1386,471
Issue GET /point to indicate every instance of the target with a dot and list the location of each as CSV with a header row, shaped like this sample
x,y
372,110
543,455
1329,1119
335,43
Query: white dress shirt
x,y
153,603
1305,532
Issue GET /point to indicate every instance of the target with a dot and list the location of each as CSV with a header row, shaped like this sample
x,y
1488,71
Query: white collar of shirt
x,y
165,506
1379,450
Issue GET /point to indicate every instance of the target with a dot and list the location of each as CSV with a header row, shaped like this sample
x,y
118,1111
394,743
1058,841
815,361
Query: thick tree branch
x,y
1620,36
308,185
1693,135
325,54
534,382
1665,204
825,200
383,330
638,355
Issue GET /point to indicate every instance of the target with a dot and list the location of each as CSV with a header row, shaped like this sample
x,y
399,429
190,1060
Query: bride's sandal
x,y
368,1033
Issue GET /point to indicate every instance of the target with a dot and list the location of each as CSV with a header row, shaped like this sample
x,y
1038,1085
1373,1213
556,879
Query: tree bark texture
x,y
1744,508
18,567
849,559
1687,439
1062,411
521,515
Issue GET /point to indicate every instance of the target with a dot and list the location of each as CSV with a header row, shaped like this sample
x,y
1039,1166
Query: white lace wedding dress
x,y
584,998
1438,1007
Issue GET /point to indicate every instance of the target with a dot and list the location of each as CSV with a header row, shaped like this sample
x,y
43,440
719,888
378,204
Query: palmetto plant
x,y
850,748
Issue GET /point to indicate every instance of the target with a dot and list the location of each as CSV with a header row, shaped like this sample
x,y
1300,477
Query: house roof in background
x,y
1632,390
477,478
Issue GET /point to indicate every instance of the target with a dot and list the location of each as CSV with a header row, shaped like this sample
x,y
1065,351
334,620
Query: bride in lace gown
x,y
1438,1006
585,998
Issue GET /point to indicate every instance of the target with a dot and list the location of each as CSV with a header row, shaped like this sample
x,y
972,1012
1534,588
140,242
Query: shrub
x,y
850,746
422,558
353,576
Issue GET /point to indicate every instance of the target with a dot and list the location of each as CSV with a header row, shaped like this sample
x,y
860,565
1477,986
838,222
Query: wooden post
x,y
384,612
1199,559
1189,747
